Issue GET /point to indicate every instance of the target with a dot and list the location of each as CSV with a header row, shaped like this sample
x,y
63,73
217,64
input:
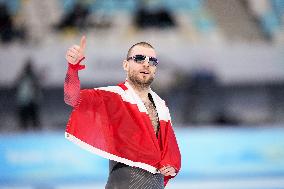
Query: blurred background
x,y
221,72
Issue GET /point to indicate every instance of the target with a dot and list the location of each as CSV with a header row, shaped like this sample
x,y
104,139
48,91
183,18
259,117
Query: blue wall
x,y
207,153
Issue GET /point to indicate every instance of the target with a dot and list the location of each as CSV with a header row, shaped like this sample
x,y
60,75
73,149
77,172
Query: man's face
x,y
140,74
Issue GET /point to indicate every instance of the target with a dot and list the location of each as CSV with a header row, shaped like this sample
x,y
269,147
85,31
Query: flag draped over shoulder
x,y
113,122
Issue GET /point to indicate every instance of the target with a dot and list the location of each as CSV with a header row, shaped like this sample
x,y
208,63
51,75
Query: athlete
x,y
129,124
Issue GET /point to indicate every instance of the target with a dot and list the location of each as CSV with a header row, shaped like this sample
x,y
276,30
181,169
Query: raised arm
x,y
74,57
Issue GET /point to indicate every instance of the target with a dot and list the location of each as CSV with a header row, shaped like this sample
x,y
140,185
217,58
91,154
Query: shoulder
x,y
115,89
163,110
158,99
100,93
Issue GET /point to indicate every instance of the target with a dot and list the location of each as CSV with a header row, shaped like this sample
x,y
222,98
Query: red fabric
x,y
105,121
72,83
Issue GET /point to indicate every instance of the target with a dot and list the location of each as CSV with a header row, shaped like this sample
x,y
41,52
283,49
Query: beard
x,y
139,82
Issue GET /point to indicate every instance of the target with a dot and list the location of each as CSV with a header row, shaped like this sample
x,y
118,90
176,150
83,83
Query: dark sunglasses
x,y
141,58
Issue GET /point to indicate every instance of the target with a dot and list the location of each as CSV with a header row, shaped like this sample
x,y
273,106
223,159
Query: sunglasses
x,y
140,59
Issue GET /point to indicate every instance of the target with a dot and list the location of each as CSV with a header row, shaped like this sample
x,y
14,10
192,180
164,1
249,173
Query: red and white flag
x,y
113,122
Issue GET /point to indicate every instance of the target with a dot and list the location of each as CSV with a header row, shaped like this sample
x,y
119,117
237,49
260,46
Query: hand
x,y
167,170
76,53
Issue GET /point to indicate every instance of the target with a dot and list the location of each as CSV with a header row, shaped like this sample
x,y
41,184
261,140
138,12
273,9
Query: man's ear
x,y
125,65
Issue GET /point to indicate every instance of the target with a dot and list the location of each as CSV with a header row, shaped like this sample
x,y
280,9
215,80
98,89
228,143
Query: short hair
x,y
143,44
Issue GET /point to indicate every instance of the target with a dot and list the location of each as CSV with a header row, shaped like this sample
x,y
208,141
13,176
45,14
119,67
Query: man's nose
x,y
146,62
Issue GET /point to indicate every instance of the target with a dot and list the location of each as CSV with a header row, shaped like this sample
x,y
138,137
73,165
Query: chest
x,y
153,115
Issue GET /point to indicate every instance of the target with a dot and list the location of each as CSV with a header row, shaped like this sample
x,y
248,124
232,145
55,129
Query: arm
x,y
72,84
74,57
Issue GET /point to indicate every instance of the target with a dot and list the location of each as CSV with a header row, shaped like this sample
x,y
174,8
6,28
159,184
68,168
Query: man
x,y
128,124
28,96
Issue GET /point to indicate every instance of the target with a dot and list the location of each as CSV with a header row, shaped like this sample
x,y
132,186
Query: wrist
x,y
77,66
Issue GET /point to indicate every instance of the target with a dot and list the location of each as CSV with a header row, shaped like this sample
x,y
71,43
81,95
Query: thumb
x,y
83,43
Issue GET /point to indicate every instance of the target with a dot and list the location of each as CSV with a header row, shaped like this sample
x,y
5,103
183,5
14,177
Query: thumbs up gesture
x,y
76,53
